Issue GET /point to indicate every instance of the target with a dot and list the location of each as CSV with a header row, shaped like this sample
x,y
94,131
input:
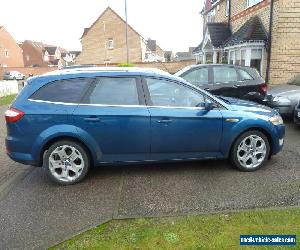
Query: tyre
x,y
66,162
250,151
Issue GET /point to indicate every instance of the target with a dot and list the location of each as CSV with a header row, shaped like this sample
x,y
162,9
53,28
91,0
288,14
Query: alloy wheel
x,y
251,151
66,163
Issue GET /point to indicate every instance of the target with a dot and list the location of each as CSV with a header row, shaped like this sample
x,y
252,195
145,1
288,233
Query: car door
x,y
200,77
113,112
225,80
180,129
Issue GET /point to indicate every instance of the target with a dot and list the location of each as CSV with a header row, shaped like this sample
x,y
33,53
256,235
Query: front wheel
x,y
250,151
66,162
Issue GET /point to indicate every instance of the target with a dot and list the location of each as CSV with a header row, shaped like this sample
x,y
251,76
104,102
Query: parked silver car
x,y
284,97
13,75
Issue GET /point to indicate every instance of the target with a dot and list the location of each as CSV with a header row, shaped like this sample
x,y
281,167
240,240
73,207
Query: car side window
x,y
224,74
172,94
199,75
244,75
66,91
114,91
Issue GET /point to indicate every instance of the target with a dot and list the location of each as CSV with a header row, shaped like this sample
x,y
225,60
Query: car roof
x,y
103,71
98,71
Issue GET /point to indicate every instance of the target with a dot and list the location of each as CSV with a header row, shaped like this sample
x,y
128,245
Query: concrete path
x,y
37,214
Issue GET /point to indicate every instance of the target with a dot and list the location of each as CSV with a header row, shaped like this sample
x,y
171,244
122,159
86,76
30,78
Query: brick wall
x,y
110,25
221,12
171,67
285,56
28,70
240,13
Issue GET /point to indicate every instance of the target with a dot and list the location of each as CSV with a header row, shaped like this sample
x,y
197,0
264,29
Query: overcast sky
x,y
175,25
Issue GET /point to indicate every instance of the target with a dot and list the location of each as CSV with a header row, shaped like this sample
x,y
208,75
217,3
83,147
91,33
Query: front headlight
x,y
276,120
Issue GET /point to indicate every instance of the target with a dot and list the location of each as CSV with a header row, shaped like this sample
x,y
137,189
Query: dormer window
x,y
251,3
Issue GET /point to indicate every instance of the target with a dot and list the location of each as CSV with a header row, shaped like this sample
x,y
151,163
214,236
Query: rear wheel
x,y
66,162
250,151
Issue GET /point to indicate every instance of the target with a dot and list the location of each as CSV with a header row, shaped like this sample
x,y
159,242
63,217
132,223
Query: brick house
x,y
105,42
34,54
11,54
264,34
41,55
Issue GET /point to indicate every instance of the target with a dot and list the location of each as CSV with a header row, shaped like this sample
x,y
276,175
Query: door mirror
x,y
206,105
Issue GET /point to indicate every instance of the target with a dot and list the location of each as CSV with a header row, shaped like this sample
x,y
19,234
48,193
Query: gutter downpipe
x,y
229,14
270,41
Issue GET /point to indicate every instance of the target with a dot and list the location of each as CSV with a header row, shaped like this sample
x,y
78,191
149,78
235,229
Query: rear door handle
x,y
92,119
165,121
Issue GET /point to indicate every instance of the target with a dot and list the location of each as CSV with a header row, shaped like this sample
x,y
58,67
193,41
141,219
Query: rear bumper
x,y
24,158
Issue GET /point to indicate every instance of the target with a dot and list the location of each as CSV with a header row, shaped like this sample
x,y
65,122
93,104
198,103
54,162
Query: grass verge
x,y
217,231
4,100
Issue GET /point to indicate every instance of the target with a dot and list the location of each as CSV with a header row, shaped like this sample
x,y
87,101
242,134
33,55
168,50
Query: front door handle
x,y
207,89
92,119
165,121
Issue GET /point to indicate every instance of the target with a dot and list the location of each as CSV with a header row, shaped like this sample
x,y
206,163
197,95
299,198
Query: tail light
x,y
13,115
264,88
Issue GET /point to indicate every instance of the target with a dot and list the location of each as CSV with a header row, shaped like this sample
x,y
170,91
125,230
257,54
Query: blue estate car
x,y
70,120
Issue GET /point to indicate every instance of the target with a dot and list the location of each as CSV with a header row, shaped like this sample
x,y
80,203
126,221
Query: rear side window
x,y
199,75
244,75
113,91
225,74
67,91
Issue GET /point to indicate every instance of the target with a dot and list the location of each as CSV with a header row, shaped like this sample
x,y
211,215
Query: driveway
x,y
36,213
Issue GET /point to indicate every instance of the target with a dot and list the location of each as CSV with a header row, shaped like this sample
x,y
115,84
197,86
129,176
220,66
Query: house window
x,y
243,57
211,16
27,58
214,1
238,57
256,59
231,57
6,53
252,2
110,43
227,7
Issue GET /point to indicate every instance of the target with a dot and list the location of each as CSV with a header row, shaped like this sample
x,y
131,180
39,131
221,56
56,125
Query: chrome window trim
x,y
112,105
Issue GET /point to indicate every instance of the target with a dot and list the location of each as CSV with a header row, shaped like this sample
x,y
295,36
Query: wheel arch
x,y
262,130
69,138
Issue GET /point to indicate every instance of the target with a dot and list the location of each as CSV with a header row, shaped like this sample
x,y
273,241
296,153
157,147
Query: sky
x,y
175,25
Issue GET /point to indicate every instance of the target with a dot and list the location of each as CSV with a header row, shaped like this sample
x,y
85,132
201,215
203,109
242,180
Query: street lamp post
x,y
127,49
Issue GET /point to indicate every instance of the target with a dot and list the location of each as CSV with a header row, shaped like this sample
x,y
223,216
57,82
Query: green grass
x,y
218,231
7,99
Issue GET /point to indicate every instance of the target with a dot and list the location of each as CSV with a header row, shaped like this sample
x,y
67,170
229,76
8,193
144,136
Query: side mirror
x,y
208,106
